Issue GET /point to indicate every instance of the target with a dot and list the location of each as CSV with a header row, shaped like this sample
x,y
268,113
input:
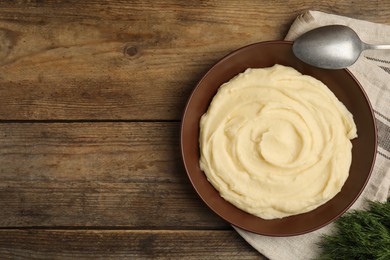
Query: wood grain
x,y
86,171
138,60
97,174
123,244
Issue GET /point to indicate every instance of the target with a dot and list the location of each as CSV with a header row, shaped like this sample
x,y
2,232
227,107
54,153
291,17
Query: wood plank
x,y
131,60
97,174
123,244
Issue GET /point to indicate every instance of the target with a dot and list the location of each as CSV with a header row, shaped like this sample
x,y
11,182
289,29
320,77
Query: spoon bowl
x,y
331,47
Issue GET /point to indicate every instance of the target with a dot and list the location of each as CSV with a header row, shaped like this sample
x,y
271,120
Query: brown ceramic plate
x,y
341,82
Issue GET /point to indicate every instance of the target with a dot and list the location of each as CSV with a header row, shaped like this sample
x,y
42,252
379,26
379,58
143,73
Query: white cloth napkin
x,y
373,72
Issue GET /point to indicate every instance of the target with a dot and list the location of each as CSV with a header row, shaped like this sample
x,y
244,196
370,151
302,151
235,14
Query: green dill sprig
x,y
360,235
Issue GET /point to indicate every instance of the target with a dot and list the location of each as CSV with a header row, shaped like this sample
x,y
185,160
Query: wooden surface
x,y
91,95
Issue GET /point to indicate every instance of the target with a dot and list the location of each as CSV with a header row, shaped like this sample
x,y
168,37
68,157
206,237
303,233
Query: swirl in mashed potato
x,y
276,143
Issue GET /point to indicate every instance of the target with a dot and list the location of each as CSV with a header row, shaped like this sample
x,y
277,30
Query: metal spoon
x,y
331,47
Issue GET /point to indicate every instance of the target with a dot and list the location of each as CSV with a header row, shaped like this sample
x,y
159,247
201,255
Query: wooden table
x,y
91,96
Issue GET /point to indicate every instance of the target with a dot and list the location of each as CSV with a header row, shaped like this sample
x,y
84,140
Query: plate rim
x,y
252,230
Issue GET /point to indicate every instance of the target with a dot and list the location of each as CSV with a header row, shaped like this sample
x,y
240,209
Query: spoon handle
x,y
377,46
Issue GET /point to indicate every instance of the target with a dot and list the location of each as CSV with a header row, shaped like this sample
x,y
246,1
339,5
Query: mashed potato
x,y
276,143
